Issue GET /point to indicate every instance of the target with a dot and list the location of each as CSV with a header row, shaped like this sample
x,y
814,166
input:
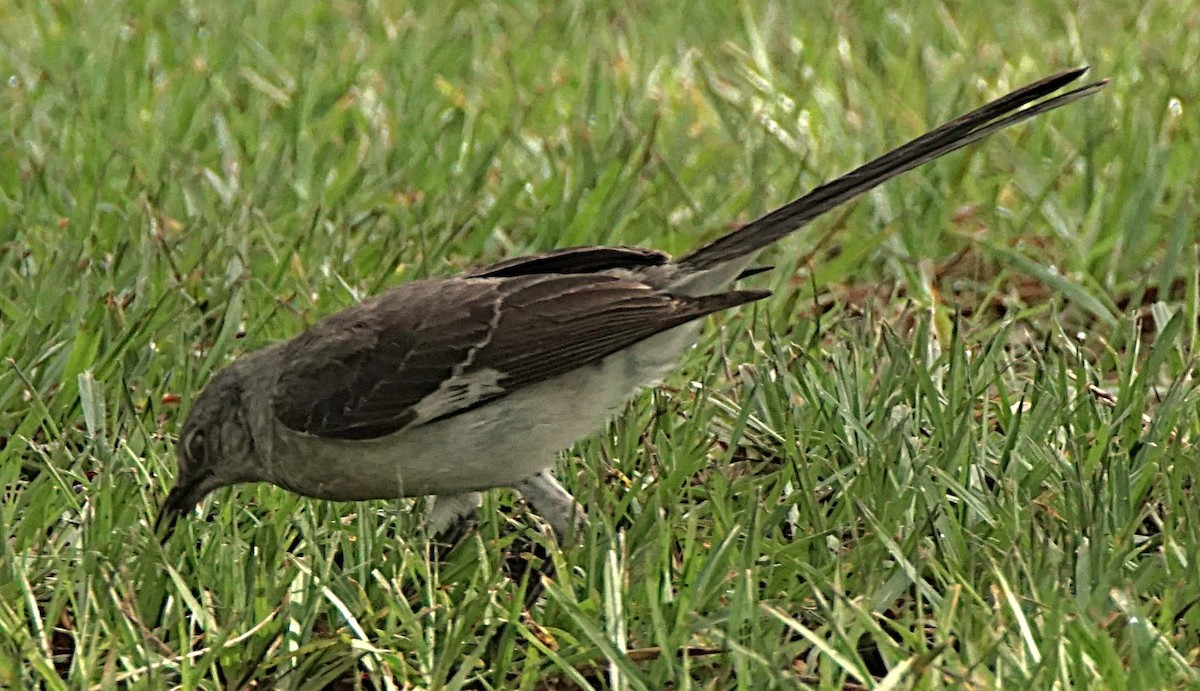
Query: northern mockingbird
x,y
451,386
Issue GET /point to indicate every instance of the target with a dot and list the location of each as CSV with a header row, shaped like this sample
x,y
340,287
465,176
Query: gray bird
x,y
450,386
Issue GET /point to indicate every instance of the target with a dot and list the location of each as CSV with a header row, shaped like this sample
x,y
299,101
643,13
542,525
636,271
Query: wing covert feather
x,y
429,350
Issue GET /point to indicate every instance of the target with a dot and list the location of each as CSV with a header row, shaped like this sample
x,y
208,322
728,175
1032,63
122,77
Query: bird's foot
x,y
555,505
450,518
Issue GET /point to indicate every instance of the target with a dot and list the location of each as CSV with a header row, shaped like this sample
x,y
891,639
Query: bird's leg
x,y
451,516
555,505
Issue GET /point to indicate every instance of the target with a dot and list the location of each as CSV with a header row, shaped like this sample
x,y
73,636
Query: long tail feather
x,y
1001,113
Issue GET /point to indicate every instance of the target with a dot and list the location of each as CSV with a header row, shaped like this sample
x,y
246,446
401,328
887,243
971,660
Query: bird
x,y
450,386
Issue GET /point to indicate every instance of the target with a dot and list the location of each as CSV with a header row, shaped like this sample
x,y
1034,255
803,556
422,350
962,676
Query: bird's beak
x,y
181,499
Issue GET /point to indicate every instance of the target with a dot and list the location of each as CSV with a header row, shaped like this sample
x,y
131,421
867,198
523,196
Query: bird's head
x,y
215,448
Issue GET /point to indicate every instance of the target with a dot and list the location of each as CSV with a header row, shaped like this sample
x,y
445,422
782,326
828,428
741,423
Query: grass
x,y
956,448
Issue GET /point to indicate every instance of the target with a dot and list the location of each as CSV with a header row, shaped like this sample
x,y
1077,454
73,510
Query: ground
x,y
955,449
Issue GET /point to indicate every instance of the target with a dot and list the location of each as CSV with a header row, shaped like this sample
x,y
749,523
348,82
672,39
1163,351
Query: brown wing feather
x,y
574,260
376,360
395,361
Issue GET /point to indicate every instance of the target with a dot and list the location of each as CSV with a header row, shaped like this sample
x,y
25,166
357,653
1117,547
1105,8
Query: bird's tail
x,y
1000,113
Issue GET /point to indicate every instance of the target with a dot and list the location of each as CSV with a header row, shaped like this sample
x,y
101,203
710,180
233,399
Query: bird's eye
x,y
195,445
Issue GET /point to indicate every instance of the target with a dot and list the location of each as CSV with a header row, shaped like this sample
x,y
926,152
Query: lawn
x,y
956,449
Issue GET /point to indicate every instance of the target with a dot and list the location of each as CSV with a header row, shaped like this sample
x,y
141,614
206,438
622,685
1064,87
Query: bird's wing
x,y
429,350
575,260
